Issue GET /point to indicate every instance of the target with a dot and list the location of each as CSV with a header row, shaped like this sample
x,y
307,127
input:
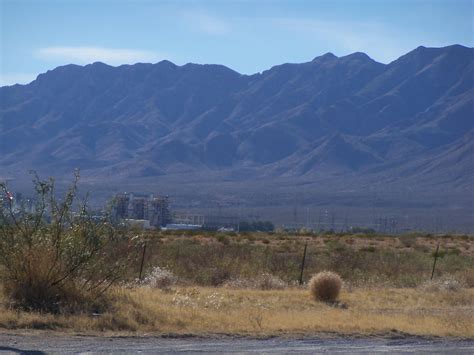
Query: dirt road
x,y
40,344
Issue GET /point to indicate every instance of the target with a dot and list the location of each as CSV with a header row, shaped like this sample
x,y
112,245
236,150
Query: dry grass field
x,y
246,284
455,244
289,312
361,259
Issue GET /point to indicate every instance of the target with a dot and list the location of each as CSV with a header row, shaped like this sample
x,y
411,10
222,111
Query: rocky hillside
x,y
410,119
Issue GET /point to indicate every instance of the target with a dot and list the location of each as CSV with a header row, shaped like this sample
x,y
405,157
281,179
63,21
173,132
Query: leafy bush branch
x,y
57,256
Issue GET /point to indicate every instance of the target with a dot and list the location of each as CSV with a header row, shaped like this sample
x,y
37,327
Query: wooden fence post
x,y
434,263
142,261
302,263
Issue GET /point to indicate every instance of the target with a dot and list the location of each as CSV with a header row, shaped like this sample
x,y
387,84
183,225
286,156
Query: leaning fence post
x,y
434,263
302,263
142,261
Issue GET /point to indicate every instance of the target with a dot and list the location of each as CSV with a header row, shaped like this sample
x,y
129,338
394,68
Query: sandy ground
x,y
67,344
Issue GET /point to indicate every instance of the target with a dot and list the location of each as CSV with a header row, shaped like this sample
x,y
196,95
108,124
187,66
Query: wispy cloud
x,y
16,78
374,38
206,23
84,55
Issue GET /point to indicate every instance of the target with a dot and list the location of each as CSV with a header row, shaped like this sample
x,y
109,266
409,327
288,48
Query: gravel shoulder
x,y
41,343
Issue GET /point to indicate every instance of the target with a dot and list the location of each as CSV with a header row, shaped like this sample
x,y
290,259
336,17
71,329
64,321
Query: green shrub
x,y
441,253
222,238
250,237
453,251
56,259
335,245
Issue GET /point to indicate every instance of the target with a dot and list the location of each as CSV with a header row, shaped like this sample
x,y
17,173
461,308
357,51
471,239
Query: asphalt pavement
x,y
67,344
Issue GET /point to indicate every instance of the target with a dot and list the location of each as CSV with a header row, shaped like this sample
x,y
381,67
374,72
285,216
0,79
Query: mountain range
x,y
349,120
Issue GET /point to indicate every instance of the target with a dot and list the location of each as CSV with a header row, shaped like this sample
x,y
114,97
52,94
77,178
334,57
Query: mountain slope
x,y
331,116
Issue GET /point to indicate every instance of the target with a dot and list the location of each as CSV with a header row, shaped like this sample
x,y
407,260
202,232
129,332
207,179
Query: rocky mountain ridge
x,y
411,119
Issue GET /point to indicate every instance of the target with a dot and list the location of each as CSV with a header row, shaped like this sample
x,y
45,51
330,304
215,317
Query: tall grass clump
x,y
325,286
264,281
446,283
56,257
159,277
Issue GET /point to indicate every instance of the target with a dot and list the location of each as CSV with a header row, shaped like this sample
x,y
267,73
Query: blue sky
x,y
247,36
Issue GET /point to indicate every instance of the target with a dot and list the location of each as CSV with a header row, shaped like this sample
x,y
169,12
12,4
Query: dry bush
x,y
447,283
408,240
325,286
159,277
57,258
264,281
467,277
268,281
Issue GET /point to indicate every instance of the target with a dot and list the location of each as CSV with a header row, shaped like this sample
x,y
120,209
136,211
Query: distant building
x,y
154,209
158,211
188,218
138,208
120,206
